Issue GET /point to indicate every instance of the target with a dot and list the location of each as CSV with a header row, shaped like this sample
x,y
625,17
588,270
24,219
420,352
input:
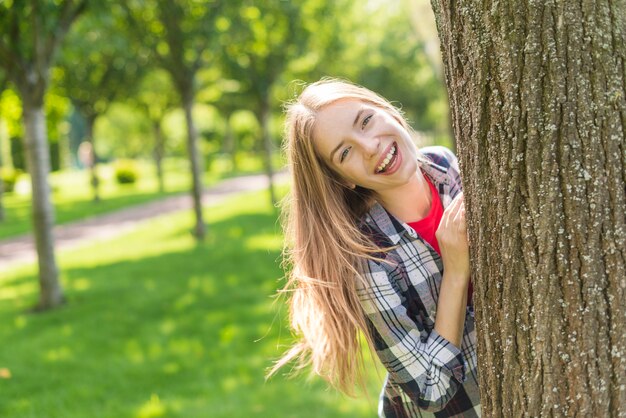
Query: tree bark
x,y
196,164
38,158
159,149
93,162
265,113
537,94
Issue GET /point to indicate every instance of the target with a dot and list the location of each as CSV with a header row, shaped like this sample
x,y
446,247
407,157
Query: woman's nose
x,y
370,146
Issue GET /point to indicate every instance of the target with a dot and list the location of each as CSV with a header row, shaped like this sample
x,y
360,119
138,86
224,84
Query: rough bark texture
x,y
38,158
537,93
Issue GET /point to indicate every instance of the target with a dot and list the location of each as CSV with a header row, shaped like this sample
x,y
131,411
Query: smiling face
x,y
365,145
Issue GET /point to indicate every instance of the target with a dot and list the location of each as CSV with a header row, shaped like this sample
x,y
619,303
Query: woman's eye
x,y
365,121
344,154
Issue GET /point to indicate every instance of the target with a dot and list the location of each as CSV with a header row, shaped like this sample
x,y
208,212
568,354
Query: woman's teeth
x,y
388,158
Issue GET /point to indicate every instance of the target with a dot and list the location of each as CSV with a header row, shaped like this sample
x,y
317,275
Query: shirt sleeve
x,y
427,367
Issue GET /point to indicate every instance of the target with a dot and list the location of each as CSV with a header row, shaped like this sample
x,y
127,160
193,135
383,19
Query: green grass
x,y
73,199
159,326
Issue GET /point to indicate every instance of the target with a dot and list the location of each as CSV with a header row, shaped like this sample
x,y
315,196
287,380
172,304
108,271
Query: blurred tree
x,y
156,97
424,26
31,34
124,131
57,107
227,96
422,21
181,34
538,103
11,110
380,50
99,65
259,41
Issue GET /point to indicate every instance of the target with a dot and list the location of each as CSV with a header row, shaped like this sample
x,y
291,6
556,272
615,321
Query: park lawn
x,y
159,326
73,199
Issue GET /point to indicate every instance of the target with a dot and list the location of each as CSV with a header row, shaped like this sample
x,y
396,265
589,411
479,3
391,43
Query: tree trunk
x,y
267,148
38,159
93,160
159,149
537,97
196,163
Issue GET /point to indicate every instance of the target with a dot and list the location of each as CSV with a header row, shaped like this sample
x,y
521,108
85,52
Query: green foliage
x,y
235,54
261,39
11,113
179,33
9,178
207,121
30,40
158,325
246,127
123,131
126,171
56,109
378,49
111,64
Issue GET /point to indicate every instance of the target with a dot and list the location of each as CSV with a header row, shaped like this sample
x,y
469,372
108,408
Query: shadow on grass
x,y
178,334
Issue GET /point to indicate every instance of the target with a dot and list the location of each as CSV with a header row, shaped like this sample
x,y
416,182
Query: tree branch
x,y
66,17
11,59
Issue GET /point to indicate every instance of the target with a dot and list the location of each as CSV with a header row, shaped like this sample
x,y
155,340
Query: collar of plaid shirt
x,y
435,166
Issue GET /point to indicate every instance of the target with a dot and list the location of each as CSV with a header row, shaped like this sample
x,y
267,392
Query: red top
x,y
427,227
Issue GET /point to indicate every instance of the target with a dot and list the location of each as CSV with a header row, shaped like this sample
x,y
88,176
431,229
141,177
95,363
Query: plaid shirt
x,y
427,375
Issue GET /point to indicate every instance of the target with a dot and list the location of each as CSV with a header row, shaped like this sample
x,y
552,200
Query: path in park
x,y
21,249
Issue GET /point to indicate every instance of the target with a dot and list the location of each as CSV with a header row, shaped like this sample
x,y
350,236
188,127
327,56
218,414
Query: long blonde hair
x,y
324,246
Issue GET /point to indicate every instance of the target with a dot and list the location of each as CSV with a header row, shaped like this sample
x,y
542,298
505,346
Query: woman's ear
x,y
351,186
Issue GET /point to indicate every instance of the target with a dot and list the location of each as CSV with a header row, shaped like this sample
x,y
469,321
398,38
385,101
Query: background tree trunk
x,y
93,162
38,158
26,54
537,98
158,153
196,164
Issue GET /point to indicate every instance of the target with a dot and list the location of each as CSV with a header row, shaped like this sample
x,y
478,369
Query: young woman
x,y
376,243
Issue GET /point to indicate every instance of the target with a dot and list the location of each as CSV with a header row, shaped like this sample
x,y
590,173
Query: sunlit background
x,y
156,322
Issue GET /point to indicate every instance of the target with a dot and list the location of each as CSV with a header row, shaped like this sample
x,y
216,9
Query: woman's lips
x,y
394,164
